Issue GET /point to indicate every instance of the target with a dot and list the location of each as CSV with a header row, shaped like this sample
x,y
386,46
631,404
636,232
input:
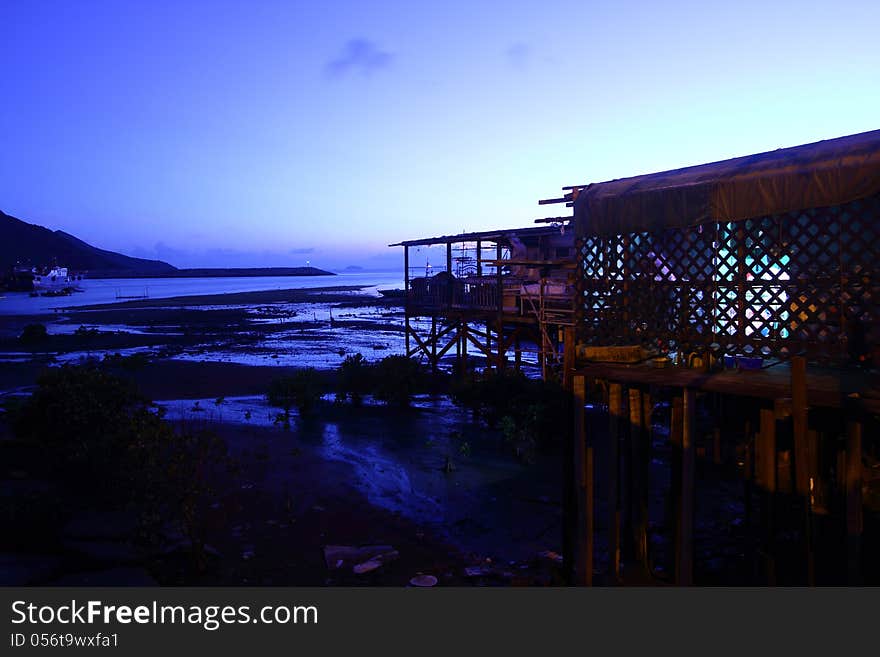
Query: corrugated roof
x,y
820,174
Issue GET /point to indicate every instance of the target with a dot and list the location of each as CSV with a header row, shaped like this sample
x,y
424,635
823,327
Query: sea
x,y
113,290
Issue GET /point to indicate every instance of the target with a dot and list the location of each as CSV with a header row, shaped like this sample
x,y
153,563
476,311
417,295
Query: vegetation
x,y
111,449
354,379
33,334
529,412
396,380
302,390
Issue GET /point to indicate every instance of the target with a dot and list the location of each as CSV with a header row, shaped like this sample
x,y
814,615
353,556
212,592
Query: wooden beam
x,y
638,511
583,562
686,532
854,502
674,504
615,415
802,459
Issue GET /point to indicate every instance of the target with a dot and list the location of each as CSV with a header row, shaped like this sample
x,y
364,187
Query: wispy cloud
x,y
518,55
359,56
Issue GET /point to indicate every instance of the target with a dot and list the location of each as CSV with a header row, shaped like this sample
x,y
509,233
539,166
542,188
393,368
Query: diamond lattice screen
x,y
805,281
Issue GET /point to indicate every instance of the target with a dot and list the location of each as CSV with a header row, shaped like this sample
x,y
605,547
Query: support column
x,y
615,414
765,476
689,430
582,457
854,502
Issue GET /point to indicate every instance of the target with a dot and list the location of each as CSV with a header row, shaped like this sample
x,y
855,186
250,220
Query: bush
x,y
396,379
354,379
99,436
302,389
33,333
529,412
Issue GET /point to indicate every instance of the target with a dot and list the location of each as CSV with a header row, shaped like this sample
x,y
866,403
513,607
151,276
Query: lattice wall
x,y
806,281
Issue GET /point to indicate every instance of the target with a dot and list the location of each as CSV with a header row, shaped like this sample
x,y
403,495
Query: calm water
x,y
108,290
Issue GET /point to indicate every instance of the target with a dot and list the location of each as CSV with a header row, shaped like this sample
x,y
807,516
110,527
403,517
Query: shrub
x,y
529,412
302,389
396,379
99,436
33,333
354,379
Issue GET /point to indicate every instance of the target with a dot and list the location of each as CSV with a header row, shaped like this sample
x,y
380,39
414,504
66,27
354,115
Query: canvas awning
x,y
815,175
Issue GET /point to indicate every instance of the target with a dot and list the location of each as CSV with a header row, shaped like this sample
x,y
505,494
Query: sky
x,y
278,133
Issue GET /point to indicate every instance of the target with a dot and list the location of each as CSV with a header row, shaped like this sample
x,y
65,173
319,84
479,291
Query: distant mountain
x,y
30,244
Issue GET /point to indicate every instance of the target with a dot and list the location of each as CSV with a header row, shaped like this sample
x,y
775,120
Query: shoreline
x,y
290,295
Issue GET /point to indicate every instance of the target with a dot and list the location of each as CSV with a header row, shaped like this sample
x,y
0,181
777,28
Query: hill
x,y
35,245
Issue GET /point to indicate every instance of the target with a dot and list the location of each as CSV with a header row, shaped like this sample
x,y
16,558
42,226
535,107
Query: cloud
x,y
301,251
359,56
518,55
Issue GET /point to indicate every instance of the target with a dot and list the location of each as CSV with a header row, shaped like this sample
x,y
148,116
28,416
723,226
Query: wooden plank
x,y
686,532
615,414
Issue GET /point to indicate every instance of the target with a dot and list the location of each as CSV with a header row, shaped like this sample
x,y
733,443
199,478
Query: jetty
x,y
731,309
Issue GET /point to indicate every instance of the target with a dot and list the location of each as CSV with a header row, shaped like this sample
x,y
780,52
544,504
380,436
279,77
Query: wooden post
x,y
674,504
406,306
638,512
449,257
479,258
615,414
568,357
854,502
805,459
647,446
582,461
688,433
517,351
765,476
799,422
433,343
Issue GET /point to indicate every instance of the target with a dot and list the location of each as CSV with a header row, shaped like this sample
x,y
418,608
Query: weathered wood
x,y
583,564
568,358
765,476
638,475
854,520
615,414
674,504
686,532
802,457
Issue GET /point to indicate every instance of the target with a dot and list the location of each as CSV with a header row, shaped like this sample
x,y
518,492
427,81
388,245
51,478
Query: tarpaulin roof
x,y
814,175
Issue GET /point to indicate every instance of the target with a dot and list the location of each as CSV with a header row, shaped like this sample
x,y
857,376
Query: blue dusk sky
x,y
271,133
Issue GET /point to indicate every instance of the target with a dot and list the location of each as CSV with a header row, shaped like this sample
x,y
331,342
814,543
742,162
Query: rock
x,y
423,580
338,556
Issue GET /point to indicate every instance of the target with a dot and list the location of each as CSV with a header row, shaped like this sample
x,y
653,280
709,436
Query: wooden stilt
x,y
517,350
433,343
854,502
583,562
765,475
568,357
615,413
674,503
686,550
638,512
